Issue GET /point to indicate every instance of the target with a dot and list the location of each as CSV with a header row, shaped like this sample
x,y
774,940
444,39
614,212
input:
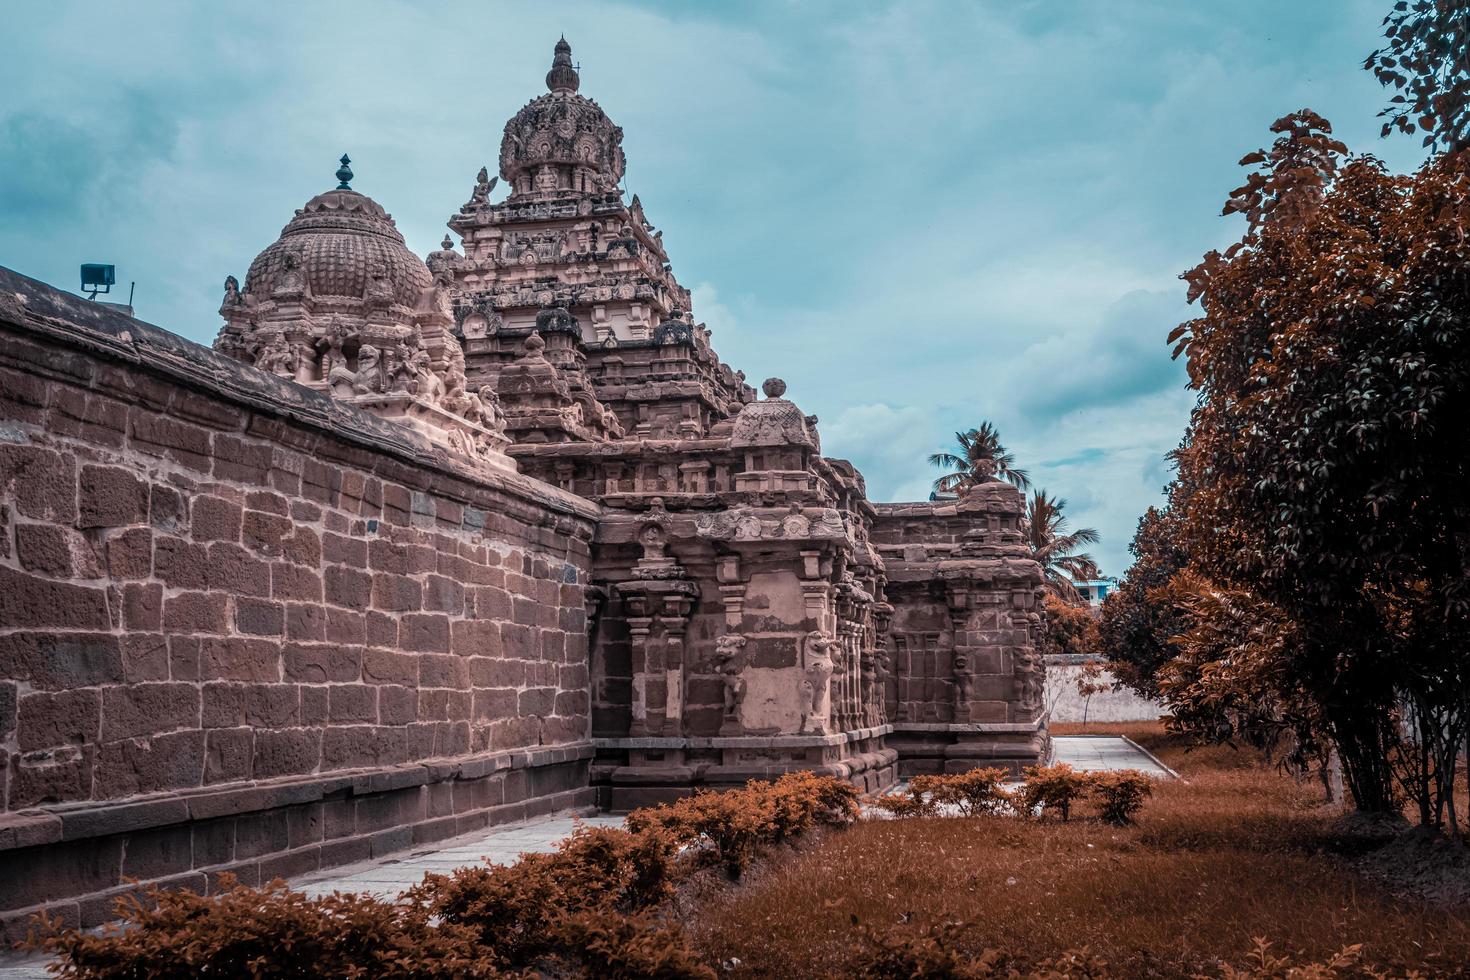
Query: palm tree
x,y
1056,549
981,458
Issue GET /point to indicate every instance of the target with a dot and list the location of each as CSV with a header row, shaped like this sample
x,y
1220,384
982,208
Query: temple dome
x,y
772,421
343,241
562,134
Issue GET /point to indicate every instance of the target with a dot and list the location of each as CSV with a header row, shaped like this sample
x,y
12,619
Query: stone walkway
x,y
1097,753
386,877
501,845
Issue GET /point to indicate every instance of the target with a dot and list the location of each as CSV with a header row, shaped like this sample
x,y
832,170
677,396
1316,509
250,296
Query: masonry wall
x,y
244,628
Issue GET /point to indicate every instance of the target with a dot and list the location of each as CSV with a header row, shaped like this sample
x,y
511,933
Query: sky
x,y
921,215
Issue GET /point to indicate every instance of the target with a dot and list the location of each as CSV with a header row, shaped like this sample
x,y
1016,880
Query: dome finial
x,y
563,76
344,174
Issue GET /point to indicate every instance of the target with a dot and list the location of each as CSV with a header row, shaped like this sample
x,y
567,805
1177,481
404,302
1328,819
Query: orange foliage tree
x,y
1326,456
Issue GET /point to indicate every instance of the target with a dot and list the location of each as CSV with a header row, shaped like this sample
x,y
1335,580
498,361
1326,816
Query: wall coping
x,y
980,727
742,741
35,307
78,821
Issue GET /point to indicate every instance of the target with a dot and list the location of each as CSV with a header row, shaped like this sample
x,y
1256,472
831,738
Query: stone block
x,y
353,703
52,662
239,659
142,606
158,853
181,564
306,621
227,755
290,581
321,663
196,612
259,617
396,593
148,765
214,842
28,600
215,519
390,667
397,705
427,632
110,496
235,570
146,709
47,720
41,482
286,753
56,552
348,587
261,833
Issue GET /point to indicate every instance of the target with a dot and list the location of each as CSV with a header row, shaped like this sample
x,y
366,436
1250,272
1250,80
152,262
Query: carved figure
x,y
278,358
964,683
232,292
729,666
546,179
484,184
291,282
819,663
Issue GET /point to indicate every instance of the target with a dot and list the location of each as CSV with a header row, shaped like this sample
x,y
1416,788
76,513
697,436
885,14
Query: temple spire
x,y
344,174
563,76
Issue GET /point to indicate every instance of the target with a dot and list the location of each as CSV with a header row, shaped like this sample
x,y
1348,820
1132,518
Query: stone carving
x,y
772,422
819,659
484,184
964,684
729,665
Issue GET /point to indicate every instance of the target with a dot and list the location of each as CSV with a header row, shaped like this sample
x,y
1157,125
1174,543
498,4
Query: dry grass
x,y
1236,853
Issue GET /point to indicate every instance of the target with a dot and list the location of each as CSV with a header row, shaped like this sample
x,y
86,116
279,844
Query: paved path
x,y
388,876
1094,753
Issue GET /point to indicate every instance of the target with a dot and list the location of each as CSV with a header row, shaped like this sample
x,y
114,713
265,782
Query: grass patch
x,y
1238,853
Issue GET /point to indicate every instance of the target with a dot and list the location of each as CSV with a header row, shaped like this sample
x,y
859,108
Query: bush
x,y
1120,794
581,911
973,793
729,828
178,935
1057,786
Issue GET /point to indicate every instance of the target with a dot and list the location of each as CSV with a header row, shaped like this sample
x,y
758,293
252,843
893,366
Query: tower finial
x,y
563,76
344,174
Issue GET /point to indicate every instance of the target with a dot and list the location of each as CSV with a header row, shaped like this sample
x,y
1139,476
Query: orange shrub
x,y
976,792
243,931
1057,786
1120,795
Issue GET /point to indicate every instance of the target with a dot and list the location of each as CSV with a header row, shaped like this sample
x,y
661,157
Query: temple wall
x,y
245,628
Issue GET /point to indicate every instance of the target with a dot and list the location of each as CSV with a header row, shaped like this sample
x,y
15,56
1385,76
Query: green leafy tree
x,y
1056,548
979,458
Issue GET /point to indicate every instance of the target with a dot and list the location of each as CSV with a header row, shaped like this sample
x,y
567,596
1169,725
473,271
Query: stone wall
x,y
245,628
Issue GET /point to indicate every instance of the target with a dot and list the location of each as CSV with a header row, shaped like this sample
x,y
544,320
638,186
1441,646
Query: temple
x,y
513,514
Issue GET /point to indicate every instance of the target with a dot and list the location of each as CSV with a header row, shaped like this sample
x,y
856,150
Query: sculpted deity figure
x,y
365,380
379,289
232,292
819,665
290,283
484,184
277,357
427,385
546,178
730,668
492,416
964,683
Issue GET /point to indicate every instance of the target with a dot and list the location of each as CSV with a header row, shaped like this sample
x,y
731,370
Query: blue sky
x,y
921,215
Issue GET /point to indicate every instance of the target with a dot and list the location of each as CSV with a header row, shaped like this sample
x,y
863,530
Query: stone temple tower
x,y
743,628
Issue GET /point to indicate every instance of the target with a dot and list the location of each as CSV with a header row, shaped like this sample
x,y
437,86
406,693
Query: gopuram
x,y
427,544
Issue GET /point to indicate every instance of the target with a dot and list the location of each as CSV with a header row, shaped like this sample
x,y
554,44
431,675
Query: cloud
x,y
921,214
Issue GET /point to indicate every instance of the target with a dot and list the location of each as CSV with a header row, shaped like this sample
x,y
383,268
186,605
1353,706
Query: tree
x,y
1332,362
980,459
1056,549
1140,617
1067,631
1427,60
